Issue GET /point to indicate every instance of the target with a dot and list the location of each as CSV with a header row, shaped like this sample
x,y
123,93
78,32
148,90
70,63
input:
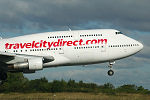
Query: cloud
x,y
47,14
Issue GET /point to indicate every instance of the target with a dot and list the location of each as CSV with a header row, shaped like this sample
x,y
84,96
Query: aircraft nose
x,y
141,46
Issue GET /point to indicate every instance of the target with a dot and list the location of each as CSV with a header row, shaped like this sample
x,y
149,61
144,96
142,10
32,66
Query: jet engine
x,y
31,64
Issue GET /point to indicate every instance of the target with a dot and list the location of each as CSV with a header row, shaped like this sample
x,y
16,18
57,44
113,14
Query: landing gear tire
x,y
3,75
1,82
110,72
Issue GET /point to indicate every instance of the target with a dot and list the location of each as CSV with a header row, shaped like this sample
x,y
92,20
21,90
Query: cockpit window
x,y
118,33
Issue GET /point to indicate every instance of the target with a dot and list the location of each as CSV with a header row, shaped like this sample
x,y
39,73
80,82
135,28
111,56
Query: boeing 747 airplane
x,y
34,52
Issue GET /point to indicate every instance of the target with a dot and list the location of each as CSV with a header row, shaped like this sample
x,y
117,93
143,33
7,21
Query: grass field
x,y
72,96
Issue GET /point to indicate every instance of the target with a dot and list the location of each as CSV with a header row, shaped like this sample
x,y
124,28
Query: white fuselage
x,y
73,47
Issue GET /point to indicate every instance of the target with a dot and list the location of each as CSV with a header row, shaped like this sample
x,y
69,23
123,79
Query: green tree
x,y
58,86
14,83
71,83
108,86
40,85
127,89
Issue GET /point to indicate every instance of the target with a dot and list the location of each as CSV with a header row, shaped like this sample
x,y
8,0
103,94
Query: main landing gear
x,y
3,76
111,72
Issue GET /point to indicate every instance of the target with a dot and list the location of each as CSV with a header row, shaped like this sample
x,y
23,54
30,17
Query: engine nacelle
x,y
35,63
32,64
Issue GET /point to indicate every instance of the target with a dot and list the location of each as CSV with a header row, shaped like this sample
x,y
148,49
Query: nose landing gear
x,y
111,72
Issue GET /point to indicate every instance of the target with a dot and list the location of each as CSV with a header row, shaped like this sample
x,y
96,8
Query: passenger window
x,y
118,33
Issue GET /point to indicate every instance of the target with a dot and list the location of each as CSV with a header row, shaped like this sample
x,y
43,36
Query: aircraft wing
x,y
7,54
12,57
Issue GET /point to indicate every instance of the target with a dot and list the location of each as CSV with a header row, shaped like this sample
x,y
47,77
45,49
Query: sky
x,y
131,17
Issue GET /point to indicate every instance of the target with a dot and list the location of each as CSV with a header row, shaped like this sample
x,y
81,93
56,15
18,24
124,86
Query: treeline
x,y
16,82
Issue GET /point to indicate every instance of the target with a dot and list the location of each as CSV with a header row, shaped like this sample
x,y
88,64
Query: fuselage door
x,y
61,50
103,48
76,35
